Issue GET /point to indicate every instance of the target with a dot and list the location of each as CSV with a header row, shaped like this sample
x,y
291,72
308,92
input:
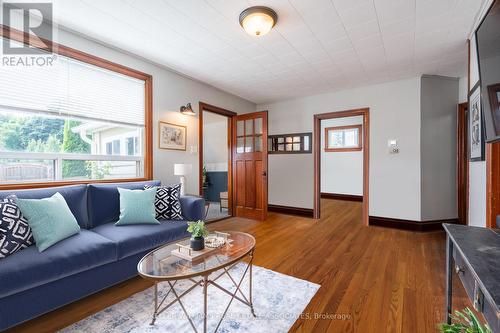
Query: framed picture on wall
x,y
476,131
172,136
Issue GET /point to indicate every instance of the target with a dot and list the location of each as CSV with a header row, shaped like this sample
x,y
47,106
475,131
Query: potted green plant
x,y
464,322
204,175
198,232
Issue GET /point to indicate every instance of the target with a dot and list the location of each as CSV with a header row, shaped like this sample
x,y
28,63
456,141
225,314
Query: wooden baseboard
x,y
338,196
307,212
409,224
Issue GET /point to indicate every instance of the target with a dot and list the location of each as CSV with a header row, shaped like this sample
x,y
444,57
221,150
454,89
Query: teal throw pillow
x,y
137,207
50,220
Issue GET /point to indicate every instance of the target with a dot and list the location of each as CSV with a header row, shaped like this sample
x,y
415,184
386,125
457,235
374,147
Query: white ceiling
x,y
316,46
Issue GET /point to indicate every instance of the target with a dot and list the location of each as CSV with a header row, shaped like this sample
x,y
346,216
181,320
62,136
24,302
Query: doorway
x,y
462,164
351,134
215,174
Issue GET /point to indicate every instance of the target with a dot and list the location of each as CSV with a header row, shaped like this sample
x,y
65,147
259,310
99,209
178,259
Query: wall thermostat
x,y
393,146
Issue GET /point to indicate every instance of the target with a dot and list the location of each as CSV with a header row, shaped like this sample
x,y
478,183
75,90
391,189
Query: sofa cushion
x,y
75,196
137,206
29,268
50,220
193,208
167,202
132,239
15,233
104,200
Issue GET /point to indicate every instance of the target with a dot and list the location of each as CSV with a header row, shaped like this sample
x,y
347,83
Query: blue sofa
x,y
101,255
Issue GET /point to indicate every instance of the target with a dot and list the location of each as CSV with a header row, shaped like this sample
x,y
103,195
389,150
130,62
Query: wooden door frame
x,y
462,164
492,183
229,114
365,112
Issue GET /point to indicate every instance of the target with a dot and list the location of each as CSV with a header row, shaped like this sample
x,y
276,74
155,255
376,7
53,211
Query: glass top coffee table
x,y
161,265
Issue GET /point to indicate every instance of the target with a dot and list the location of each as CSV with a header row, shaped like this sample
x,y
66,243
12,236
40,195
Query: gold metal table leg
x,y
251,286
156,304
205,301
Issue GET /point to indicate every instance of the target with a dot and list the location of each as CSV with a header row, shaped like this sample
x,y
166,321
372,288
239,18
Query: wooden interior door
x,y
250,165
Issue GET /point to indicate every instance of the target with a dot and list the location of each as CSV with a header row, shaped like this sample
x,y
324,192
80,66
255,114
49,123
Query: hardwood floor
x,y
372,279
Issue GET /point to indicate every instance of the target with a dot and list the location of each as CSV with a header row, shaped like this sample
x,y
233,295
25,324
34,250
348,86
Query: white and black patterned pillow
x,y
167,202
15,233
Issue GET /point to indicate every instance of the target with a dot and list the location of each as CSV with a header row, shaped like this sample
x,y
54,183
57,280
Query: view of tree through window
x,y
21,133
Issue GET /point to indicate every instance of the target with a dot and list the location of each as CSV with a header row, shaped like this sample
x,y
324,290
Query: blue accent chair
x,y
101,255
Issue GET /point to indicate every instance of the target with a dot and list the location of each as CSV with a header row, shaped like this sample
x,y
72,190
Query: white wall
x,y
477,177
394,114
341,172
439,100
170,91
215,151
477,194
462,89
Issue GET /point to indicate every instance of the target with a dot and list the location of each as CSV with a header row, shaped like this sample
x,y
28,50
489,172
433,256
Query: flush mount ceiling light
x,y
187,110
258,20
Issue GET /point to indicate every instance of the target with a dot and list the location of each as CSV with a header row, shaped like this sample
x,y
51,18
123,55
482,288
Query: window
x,y
249,136
295,143
132,144
126,146
80,119
343,138
113,147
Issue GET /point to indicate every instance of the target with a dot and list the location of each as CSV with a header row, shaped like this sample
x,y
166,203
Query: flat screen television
x,y
488,53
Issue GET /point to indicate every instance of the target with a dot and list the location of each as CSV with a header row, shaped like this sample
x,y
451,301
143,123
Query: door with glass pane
x,y
250,165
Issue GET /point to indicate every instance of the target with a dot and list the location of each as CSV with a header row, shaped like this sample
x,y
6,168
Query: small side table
x,y
476,252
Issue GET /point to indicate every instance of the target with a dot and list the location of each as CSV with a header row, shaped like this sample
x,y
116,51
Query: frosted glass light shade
x,y
258,21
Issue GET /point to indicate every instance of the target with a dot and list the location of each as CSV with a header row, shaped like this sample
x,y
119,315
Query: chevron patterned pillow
x,y
15,233
167,202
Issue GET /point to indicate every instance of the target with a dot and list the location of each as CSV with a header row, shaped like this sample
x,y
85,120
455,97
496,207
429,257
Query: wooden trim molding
x,y
359,147
229,114
22,37
492,183
339,196
410,225
365,112
289,210
215,109
462,164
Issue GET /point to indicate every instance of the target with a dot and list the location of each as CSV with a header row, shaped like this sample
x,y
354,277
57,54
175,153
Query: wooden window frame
x,y
28,39
347,149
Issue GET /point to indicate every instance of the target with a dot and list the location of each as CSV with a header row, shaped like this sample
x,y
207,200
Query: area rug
x,y
278,301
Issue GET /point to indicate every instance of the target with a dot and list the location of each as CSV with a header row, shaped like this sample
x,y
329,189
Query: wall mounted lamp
x,y
187,110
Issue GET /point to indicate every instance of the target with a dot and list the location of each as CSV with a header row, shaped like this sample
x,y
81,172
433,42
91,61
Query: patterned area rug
x,y
278,301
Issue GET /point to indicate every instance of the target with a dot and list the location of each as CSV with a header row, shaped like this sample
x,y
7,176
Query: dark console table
x,y
476,252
